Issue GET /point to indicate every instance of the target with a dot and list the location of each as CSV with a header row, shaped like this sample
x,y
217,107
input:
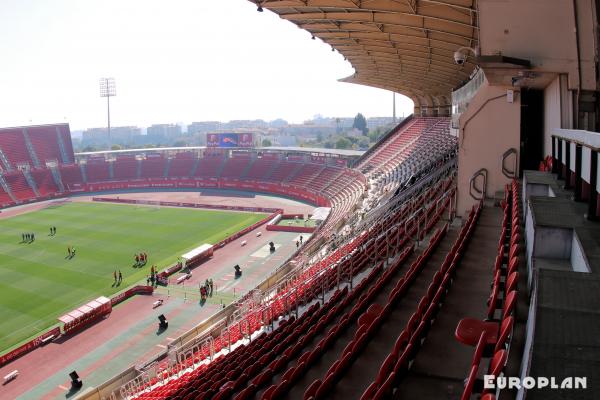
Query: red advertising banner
x,y
291,228
131,292
27,347
255,186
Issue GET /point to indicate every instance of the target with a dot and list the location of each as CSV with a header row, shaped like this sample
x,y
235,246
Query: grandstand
x,y
463,244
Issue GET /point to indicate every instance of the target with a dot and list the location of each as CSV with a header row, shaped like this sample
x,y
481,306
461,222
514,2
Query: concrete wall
x,y
578,259
544,32
553,242
552,117
529,242
488,128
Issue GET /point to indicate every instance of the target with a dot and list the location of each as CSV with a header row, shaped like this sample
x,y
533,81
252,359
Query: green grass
x,y
297,222
38,283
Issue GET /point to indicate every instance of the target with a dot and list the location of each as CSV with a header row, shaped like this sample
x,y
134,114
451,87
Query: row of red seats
x,y
379,227
370,321
491,337
329,278
397,364
308,358
238,366
336,331
45,181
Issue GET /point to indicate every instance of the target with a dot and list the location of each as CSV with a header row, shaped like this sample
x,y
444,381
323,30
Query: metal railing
x,y
480,193
507,172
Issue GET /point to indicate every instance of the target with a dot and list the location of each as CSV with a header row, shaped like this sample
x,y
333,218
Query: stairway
x,y
138,171
61,146
57,179
111,170
30,149
83,173
316,177
195,166
429,378
244,173
31,182
221,167
271,170
294,172
7,188
167,167
4,161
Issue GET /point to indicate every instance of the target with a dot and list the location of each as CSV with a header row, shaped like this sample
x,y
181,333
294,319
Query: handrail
x,y
481,192
508,173
588,139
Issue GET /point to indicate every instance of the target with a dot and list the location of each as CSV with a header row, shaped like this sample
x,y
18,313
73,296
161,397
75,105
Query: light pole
x,y
394,105
108,89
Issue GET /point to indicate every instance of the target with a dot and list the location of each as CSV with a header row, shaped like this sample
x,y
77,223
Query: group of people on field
x,y
27,237
152,279
140,259
206,290
30,237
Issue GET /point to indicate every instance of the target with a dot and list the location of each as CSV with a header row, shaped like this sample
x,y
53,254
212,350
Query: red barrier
x,y
27,347
292,216
291,228
139,289
246,230
224,183
187,205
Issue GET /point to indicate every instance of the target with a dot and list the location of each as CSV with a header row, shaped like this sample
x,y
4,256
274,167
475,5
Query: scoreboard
x,y
229,140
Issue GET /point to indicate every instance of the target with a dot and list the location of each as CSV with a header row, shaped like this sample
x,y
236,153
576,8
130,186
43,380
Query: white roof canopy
x,y
321,213
197,251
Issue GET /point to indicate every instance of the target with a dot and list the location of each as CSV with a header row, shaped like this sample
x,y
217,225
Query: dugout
x,y
196,256
86,314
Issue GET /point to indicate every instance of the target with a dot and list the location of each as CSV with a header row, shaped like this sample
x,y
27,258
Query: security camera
x,y
459,57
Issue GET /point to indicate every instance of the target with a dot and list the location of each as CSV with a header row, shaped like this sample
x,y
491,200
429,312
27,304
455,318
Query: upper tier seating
x,y
125,167
153,166
97,170
181,165
210,166
12,143
44,181
284,170
234,167
306,174
19,186
261,168
5,198
45,143
70,174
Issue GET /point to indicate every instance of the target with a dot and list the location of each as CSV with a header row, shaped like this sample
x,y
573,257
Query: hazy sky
x,y
173,61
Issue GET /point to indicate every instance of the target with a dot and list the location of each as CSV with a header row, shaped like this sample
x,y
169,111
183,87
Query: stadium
x,y
457,258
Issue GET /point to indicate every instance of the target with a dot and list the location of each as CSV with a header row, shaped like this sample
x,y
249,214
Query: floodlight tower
x,y
394,105
108,89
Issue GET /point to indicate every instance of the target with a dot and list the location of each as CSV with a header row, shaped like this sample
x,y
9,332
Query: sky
x,y
175,61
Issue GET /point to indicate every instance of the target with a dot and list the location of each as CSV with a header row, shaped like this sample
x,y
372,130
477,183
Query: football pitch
x,y
38,282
